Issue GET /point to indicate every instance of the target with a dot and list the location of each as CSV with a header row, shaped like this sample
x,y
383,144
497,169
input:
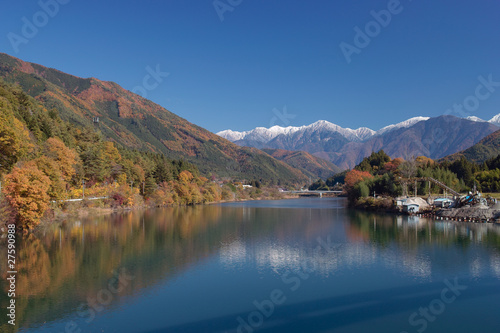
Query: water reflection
x,y
63,266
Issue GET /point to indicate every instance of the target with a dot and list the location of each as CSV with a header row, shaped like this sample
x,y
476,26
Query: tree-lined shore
x,y
44,161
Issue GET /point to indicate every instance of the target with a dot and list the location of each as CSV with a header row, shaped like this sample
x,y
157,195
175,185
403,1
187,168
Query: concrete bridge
x,y
313,193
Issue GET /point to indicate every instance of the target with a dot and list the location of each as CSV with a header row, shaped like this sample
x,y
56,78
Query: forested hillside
x,y
45,160
137,123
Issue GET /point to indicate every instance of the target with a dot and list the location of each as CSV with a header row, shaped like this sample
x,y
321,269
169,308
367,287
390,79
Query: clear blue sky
x,y
266,54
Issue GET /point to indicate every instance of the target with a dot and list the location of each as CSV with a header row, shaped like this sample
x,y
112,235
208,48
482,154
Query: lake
x,y
300,265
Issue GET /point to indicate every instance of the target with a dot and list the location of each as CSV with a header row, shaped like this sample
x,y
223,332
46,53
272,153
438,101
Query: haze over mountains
x,y
432,137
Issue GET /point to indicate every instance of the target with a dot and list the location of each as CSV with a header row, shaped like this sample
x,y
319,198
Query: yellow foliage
x,y
122,178
50,168
65,157
185,176
424,160
26,190
111,153
15,141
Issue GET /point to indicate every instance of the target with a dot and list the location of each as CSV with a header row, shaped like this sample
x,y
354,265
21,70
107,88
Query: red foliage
x,y
393,165
119,199
354,176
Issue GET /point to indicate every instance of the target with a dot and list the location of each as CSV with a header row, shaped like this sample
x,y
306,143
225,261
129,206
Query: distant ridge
x,y
488,147
310,165
345,147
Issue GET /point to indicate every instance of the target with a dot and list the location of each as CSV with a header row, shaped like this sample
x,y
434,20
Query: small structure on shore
x,y
411,208
443,202
412,205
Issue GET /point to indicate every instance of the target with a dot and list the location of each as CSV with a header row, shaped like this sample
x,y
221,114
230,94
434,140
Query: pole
x,y
83,189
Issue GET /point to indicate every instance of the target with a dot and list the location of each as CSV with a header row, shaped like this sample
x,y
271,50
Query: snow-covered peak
x,y
259,134
361,133
263,135
231,135
495,120
476,119
404,124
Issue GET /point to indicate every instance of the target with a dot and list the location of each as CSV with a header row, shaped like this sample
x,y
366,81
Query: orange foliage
x,y
354,176
185,176
394,164
26,190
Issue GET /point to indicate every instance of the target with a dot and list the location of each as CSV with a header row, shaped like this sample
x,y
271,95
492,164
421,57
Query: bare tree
x,y
408,168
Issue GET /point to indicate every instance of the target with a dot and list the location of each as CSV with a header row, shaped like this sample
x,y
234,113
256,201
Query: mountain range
x,y
277,155
137,123
432,137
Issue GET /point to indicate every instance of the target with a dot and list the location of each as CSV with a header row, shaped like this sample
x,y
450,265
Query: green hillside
x,y
487,148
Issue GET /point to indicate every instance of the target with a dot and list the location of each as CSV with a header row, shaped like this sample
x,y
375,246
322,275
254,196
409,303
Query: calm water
x,y
305,265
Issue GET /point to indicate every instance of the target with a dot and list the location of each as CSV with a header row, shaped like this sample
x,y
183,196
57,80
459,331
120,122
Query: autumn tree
x,y
211,192
354,176
408,169
65,157
15,141
113,158
185,176
393,165
51,169
26,190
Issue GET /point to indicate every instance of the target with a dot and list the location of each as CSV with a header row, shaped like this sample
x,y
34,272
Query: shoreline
x,y
59,216
462,214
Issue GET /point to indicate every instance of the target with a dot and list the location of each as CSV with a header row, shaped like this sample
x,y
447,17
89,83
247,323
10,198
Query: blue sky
x,y
275,62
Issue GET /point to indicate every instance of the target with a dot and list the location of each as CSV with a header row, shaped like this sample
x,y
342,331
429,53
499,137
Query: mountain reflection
x,y
62,266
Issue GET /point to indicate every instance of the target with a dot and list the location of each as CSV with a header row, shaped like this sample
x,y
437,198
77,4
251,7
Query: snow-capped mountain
x,y
345,146
259,134
403,124
264,135
495,120
359,134
476,119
